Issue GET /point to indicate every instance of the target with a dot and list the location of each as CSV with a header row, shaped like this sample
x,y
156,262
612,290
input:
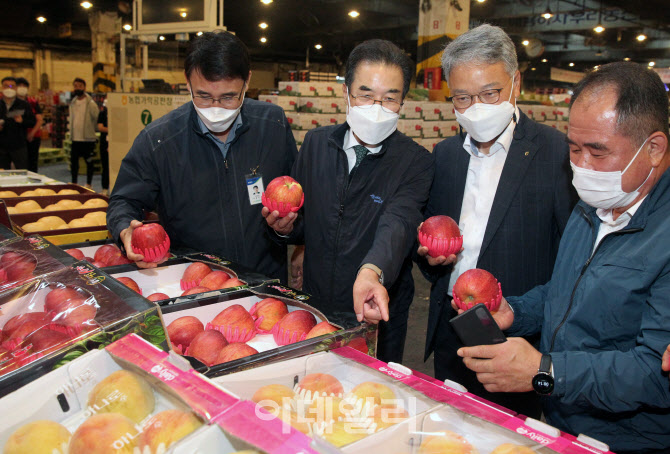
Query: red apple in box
x,y
268,312
60,298
183,330
284,195
18,265
235,323
103,253
151,241
194,290
477,286
321,329
157,297
234,351
45,340
441,235
233,282
118,259
76,253
128,282
32,318
215,280
206,346
293,327
194,274
78,316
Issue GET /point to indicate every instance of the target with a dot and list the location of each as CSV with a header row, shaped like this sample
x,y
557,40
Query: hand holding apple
x,y
281,225
126,236
422,251
477,286
283,195
371,300
441,236
503,316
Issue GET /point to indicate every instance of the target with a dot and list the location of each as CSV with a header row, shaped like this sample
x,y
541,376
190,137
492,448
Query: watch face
x,y
543,383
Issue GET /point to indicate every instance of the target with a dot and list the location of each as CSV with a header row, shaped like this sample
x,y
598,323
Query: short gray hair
x,y
486,44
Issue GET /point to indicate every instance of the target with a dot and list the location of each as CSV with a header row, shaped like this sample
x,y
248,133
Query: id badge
x,y
255,187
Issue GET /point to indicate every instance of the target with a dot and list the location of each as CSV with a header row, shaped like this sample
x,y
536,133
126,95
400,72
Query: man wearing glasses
x,y
506,180
196,165
365,185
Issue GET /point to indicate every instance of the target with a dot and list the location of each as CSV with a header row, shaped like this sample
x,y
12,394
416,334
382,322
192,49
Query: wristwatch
x,y
543,381
374,268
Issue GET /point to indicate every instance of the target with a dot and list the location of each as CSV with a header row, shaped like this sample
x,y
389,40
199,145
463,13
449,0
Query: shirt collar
x,y
607,218
504,140
350,142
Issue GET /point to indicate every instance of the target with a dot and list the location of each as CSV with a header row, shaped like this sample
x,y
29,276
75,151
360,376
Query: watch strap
x,y
545,364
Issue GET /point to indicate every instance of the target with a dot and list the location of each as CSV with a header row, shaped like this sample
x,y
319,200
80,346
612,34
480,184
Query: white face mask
x,y
9,93
485,122
373,124
22,91
604,189
217,119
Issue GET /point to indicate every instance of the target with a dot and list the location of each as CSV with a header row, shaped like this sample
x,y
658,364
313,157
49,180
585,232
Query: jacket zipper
x,y
581,274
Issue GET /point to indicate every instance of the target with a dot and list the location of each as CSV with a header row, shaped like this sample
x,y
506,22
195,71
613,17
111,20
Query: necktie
x,y
361,152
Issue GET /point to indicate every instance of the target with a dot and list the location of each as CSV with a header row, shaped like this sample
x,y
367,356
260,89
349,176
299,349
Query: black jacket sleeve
x,y
396,231
29,119
136,189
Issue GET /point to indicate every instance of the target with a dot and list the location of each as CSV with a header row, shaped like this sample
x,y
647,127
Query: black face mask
x,y
78,93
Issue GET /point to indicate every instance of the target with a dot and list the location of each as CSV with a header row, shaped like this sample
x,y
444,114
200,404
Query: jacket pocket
x,y
620,261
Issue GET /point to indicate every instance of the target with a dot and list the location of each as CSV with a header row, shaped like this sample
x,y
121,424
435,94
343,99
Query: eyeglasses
x,y
229,102
391,105
464,101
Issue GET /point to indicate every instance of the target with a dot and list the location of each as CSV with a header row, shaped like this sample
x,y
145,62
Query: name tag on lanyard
x,y
254,187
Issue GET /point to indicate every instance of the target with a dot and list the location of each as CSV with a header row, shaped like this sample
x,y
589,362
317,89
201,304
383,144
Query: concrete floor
x,y
416,332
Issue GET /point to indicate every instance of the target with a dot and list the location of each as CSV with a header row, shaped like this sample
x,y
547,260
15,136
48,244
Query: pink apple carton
x,y
130,377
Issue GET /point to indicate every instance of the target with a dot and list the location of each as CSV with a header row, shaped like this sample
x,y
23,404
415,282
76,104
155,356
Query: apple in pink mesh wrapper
x,y
284,195
477,286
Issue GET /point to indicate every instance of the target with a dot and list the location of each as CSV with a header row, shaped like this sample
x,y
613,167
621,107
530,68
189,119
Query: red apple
x,y
477,286
76,253
128,282
46,340
232,282
206,346
194,290
195,273
215,280
152,241
117,259
284,189
234,351
104,252
25,329
157,297
183,330
441,235
78,316
14,323
98,264
57,299
293,327
234,316
18,265
359,344
270,310
321,329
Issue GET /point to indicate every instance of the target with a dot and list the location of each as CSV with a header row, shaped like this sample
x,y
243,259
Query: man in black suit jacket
x,y
507,182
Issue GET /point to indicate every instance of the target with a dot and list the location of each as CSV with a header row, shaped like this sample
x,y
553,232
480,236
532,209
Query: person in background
x,y
16,118
104,147
198,164
34,137
604,314
83,121
365,186
506,182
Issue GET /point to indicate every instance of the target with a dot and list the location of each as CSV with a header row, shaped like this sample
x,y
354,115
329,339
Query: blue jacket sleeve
x,y
528,311
136,189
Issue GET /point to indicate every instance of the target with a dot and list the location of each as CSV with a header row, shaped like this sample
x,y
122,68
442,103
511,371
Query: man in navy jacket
x,y
604,316
197,164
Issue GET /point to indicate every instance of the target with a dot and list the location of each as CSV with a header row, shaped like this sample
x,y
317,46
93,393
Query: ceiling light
x,y
199,34
263,25
571,64
183,14
525,42
596,67
41,19
652,63
544,60
481,1
626,59
641,37
127,27
86,5
532,69
264,39
266,2
598,28
161,37
548,14
354,13
318,47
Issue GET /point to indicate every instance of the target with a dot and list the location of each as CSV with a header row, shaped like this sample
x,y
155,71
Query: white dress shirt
x,y
609,225
349,143
481,183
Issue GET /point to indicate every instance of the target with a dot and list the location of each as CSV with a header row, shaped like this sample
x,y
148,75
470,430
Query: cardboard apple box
x,y
118,311
412,110
288,103
63,395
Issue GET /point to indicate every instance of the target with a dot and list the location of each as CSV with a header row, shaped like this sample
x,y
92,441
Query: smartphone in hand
x,y
476,326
